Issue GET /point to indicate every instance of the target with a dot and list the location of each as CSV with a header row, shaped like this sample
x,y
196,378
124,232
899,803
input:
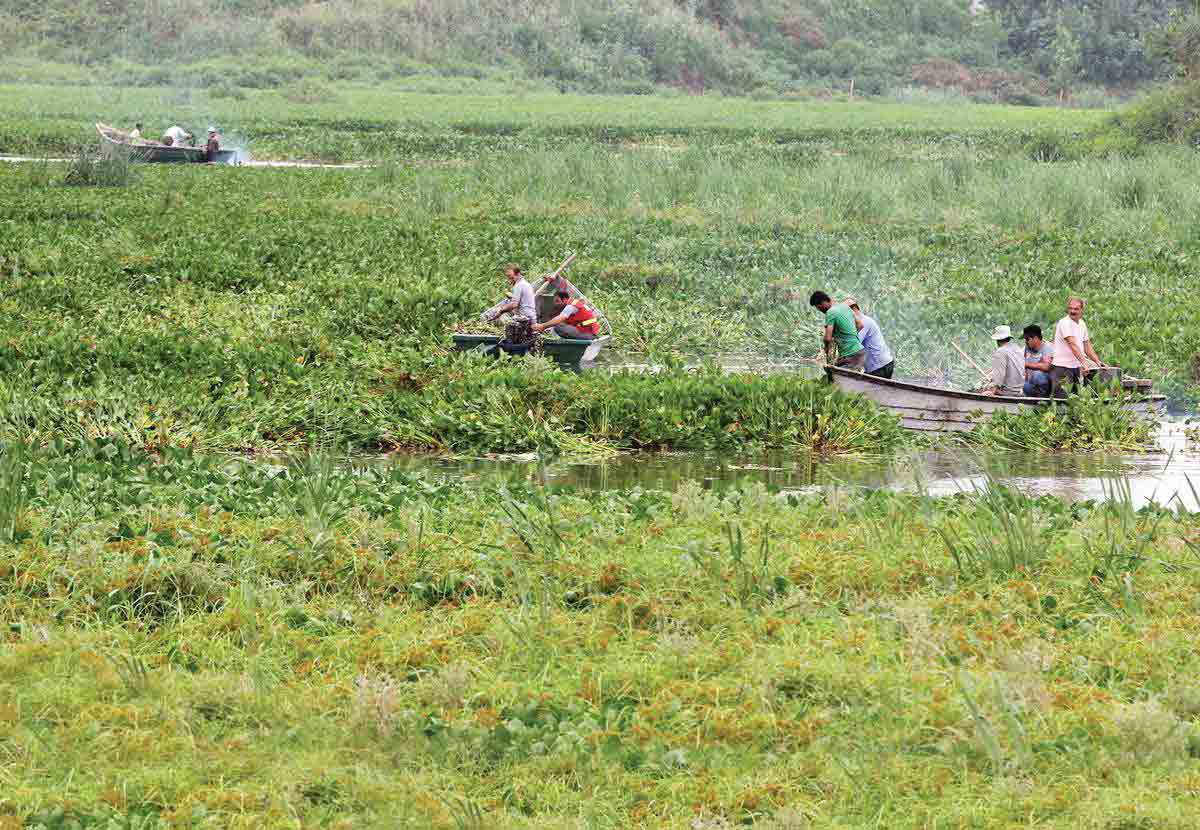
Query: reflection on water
x,y
1164,477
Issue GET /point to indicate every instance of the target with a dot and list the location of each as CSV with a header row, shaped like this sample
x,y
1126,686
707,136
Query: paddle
x,y
986,377
566,262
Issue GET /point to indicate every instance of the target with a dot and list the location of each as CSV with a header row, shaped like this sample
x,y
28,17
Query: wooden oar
x,y
566,262
967,357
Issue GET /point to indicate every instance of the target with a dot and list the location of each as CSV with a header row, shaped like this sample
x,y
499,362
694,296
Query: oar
x,y
566,262
967,357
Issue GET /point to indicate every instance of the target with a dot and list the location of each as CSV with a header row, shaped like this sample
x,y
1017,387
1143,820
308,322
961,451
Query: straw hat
x,y
1002,333
850,301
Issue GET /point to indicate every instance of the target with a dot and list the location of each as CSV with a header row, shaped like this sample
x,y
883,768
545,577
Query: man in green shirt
x,y
839,329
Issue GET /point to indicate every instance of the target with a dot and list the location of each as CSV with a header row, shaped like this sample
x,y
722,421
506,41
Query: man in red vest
x,y
576,321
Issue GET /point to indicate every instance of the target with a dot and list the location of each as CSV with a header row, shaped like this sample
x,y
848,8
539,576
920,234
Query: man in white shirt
x,y
136,135
1072,351
176,136
1008,365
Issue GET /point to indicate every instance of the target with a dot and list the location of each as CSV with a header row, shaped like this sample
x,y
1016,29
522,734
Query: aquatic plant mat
x,y
309,644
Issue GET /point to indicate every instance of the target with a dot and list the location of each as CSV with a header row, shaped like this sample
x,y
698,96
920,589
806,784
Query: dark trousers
x,y
856,361
1063,376
569,332
884,371
1038,385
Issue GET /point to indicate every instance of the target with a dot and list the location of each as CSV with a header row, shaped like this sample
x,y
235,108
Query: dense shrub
x,y
697,46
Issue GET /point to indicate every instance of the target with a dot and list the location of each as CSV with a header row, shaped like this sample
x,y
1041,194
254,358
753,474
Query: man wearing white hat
x,y
1008,365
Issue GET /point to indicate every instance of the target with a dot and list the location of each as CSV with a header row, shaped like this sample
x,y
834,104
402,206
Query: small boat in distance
x,y
561,350
114,142
930,409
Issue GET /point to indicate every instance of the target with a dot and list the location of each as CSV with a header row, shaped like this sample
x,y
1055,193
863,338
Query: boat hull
x,y
560,350
114,143
929,409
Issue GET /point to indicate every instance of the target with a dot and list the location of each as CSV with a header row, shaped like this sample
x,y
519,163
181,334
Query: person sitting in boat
x,y
1038,355
520,303
880,362
577,321
1072,350
840,330
175,136
136,134
212,146
1008,365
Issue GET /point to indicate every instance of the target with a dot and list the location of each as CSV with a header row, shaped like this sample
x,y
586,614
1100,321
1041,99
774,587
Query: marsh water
x,y
1165,476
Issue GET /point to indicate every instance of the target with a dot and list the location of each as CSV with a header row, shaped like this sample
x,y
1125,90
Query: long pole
x,y
967,358
566,262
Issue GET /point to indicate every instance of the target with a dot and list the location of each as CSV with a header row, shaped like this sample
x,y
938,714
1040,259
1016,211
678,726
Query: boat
x,y
571,353
116,143
933,409
564,351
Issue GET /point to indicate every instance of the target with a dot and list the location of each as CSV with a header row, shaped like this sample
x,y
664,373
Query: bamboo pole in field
x,y
967,358
566,263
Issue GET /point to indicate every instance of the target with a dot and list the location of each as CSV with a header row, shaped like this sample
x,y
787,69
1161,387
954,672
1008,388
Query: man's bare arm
x,y
829,344
551,323
1087,347
1078,352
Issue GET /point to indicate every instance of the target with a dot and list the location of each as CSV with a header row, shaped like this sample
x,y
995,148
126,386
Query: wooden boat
x,y
566,352
561,350
114,142
930,409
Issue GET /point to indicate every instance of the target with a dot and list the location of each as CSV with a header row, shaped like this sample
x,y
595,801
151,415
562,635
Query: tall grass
x,y
710,183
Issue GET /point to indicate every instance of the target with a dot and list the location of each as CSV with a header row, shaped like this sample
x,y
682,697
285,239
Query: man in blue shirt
x,y
880,362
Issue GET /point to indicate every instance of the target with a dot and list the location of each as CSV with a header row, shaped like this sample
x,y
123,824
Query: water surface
x,y
1165,476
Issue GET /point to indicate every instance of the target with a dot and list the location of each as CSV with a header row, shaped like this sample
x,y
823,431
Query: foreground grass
x,y
311,645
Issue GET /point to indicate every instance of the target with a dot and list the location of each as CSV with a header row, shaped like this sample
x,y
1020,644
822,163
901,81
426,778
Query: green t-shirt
x,y
845,334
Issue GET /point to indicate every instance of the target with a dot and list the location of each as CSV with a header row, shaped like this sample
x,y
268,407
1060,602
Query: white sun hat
x,y
1002,333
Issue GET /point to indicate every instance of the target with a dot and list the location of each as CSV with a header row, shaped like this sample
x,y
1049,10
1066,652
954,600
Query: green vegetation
x,y
347,123
315,644
1024,51
1088,421
300,639
241,308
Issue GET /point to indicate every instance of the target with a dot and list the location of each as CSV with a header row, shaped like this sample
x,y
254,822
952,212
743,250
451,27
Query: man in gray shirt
x,y
520,302
1008,365
1038,356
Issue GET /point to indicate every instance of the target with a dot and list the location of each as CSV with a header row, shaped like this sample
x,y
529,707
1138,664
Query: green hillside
x,y
1023,51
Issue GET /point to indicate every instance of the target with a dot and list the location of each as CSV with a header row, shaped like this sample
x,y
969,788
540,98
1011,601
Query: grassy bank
x,y
313,645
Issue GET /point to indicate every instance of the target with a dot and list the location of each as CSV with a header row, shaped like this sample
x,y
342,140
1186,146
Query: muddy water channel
x,y
1166,476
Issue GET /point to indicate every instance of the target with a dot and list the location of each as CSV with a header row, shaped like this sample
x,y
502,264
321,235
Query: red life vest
x,y
583,317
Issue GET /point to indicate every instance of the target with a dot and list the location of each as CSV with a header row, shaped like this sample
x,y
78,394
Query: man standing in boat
x,y
880,362
840,330
212,146
1072,350
1008,365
